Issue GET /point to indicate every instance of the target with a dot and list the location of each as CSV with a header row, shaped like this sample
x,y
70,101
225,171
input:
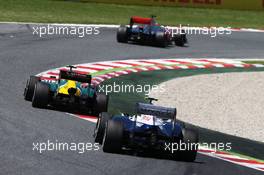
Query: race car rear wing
x,y
71,75
158,111
140,20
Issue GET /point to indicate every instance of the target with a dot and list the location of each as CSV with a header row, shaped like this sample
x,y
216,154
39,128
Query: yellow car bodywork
x,y
63,89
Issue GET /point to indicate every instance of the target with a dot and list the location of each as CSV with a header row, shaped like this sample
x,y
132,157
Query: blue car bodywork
x,y
148,31
151,127
165,131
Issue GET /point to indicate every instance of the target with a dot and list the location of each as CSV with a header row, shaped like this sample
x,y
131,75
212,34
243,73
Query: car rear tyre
x,y
100,127
180,39
122,36
190,139
41,95
30,86
101,103
161,39
112,141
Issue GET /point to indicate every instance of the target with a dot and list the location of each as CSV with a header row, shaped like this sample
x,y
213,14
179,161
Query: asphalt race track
x,y
22,54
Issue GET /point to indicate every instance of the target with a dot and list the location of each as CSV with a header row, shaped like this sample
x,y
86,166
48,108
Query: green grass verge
x,y
254,62
59,11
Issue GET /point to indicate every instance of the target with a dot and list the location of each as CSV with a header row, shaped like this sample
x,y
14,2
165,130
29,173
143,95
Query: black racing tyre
x,y
100,127
191,140
161,39
180,39
30,86
101,103
112,141
41,95
122,35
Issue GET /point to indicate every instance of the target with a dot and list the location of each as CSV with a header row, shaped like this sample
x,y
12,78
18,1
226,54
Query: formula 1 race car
x,y
151,129
147,31
72,89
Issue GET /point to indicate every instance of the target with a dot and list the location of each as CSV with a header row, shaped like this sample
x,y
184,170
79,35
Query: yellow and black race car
x,y
72,89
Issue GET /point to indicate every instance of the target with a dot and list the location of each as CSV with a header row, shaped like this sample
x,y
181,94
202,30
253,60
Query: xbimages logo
x,y
130,88
188,146
49,145
80,31
209,31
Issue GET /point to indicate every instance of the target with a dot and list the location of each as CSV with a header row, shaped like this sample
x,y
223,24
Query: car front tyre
x,y
101,104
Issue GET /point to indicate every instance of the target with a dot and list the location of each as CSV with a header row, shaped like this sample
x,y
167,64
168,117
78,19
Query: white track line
x,y
116,26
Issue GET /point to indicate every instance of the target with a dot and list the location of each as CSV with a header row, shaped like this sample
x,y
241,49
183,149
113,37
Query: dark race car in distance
x,y
72,89
148,31
151,129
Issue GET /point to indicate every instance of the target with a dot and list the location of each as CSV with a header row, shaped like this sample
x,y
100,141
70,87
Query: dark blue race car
x,y
148,31
152,128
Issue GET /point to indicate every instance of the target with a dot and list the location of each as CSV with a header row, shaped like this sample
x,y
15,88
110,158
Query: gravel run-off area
x,y
232,103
